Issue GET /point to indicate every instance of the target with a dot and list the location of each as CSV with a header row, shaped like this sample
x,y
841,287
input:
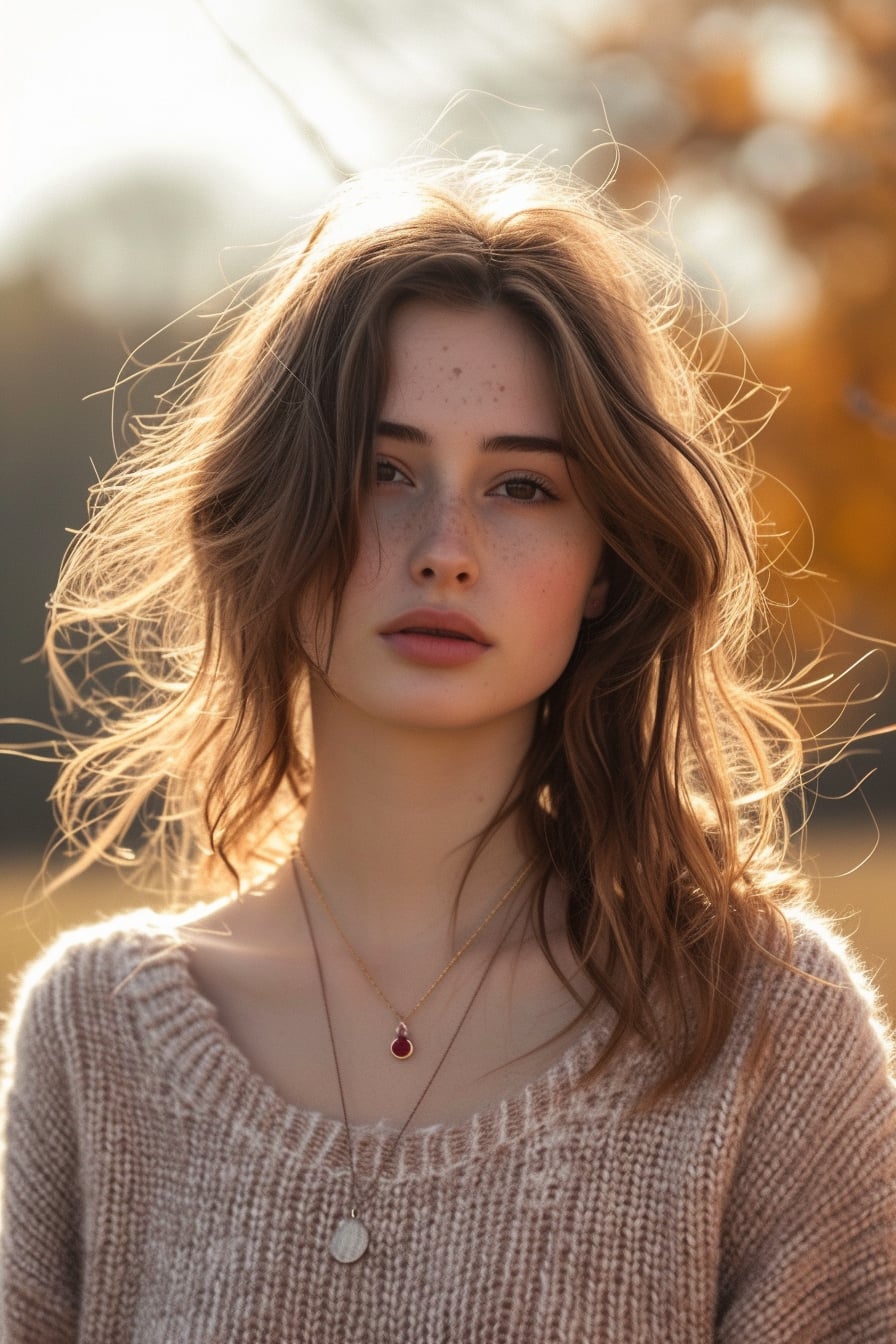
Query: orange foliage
x,y
832,444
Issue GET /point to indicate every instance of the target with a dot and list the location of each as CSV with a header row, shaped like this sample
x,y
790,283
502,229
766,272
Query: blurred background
x,y
154,152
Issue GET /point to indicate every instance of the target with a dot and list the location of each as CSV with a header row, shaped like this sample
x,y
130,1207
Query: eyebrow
x,y
498,443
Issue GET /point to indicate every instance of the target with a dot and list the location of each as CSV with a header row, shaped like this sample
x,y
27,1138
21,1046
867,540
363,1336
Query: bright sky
x,y
94,89
101,89
87,86
91,87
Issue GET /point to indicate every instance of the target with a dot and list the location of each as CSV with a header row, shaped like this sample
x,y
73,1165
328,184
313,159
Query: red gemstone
x,y
402,1047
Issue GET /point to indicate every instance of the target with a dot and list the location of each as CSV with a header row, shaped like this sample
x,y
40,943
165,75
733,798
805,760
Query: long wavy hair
x,y
655,782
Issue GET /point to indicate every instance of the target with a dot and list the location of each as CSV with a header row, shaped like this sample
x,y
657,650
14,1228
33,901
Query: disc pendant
x,y
349,1241
402,1047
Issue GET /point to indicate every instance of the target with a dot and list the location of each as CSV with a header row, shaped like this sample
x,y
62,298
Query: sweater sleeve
x,y
809,1251
40,1230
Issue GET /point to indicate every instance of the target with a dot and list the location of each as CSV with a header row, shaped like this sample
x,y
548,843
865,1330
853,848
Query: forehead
x,y
446,361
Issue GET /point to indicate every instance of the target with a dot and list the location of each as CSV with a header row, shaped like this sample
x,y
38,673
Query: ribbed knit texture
x,y
157,1191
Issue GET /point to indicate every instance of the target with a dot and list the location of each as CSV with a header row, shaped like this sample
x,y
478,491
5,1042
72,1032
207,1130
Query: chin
x,y
457,717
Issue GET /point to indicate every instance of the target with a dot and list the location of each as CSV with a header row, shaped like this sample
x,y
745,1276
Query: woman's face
x,y
478,560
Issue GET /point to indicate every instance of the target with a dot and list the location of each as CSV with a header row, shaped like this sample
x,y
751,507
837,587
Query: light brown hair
x,y
655,780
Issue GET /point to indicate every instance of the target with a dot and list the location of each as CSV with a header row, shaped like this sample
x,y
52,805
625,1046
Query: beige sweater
x,y
159,1192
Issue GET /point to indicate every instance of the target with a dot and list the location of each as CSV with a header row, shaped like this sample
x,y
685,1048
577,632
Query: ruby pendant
x,y
402,1047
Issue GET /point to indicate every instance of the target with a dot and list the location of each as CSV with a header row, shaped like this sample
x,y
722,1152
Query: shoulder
x,y
814,1036
75,982
811,980
810,1201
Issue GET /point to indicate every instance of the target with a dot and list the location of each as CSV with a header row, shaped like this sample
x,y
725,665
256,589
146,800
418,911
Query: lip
x,y
432,637
435,620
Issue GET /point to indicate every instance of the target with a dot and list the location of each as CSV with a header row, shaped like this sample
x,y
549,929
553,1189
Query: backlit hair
x,y
654,783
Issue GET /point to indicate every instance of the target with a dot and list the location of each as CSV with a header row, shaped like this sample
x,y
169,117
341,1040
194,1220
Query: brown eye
x,y
527,489
521,489
386,472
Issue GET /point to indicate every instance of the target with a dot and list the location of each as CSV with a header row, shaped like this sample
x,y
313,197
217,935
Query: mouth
x,y
436,631
438,623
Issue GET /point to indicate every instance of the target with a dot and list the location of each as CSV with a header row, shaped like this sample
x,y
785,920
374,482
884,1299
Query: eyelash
x,y
523,478
520,478
384,462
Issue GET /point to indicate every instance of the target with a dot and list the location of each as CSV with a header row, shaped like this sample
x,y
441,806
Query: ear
x,y
596,600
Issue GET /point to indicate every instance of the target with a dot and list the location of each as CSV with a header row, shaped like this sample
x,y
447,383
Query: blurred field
x,y
863,899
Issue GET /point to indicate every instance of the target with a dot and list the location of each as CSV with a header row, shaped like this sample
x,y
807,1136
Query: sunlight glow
x,y
800,67
738,238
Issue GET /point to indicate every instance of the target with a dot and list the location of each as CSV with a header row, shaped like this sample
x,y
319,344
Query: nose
x,y
446,551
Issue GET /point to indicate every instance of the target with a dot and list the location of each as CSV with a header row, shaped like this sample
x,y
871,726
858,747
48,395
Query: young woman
x,y
423,622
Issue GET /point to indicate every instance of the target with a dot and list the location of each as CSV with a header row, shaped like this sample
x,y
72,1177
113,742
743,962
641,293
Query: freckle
x,y
457,371
501,387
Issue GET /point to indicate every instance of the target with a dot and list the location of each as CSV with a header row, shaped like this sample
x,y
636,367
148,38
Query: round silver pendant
x,y
349,1241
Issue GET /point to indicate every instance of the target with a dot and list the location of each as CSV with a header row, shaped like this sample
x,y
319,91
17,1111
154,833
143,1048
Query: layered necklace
x,y
351,1238
401,1046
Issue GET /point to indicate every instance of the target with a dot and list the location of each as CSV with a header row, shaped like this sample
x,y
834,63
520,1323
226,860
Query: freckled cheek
x,y
557,582
555,605
380,545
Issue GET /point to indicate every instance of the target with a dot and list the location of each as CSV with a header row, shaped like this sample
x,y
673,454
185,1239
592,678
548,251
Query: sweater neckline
x,y
190,1048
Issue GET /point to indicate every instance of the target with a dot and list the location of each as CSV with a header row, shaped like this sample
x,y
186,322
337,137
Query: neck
x,y
394,818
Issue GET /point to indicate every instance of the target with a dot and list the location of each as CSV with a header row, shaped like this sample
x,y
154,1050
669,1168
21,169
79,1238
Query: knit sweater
x,y
158,1191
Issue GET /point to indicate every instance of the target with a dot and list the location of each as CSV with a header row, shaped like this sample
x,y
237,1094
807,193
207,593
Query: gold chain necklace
x,y
352,1237
402,1047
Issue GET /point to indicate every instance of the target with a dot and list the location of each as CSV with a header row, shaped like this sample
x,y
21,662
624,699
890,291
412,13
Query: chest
x,y
475,1040
584,1227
